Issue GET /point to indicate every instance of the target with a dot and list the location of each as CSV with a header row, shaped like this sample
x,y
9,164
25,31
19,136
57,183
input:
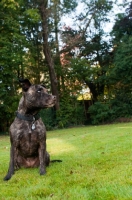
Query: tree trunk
x,y
47,52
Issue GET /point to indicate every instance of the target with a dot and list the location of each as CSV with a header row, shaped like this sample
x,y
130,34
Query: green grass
x,y
97,165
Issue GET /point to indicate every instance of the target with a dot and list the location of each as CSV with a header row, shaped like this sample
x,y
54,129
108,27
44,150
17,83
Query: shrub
x,y
99,112
120,106
71,113
49,118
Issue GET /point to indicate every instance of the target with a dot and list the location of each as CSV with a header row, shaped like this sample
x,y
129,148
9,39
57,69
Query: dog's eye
x,y
39,90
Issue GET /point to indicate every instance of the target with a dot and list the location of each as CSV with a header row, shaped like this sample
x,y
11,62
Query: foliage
x,y
71,113
118,76
18,53
122,104
49,118
96,165
88,47
114,109
122,64
82,71
89,57
99,113
11,52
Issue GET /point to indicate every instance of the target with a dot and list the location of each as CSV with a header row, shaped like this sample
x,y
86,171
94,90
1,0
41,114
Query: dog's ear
x,y
43,86
25,84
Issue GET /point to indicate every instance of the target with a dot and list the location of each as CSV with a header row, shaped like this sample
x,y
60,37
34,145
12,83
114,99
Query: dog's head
x,y
36,96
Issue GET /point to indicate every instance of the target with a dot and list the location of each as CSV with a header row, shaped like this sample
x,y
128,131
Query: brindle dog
x,y
27,132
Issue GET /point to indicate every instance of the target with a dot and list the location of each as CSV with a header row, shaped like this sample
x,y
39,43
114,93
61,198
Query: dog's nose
x,y
54,97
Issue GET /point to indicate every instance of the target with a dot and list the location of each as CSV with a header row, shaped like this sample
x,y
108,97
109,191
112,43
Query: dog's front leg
x,y
42,152
11,164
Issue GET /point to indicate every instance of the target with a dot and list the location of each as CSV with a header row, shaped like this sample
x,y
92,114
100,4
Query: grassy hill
x,y
97,165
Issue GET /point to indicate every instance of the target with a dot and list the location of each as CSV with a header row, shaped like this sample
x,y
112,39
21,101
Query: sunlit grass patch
x,y
97,165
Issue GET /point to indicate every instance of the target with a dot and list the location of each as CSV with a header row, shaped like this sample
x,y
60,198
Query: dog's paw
x,y
7,178
42,173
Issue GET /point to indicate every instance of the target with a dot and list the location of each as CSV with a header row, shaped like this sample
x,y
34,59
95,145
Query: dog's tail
x,y
52,161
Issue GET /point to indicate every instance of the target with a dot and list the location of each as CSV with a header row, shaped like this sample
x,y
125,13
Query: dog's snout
x,y
54,97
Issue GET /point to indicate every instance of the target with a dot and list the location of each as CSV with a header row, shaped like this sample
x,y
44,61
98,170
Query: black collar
x,y
30,118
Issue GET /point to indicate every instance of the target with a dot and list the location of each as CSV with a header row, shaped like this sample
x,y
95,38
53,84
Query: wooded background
x,y
35,43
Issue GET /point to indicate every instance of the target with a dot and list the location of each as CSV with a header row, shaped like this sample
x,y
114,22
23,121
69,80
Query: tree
x,y
53,10
121,72
47,52
90,41
11,51
14,60
23,42
31,27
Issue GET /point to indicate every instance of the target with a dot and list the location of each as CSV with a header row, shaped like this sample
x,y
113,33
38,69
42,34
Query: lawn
x,y
97,165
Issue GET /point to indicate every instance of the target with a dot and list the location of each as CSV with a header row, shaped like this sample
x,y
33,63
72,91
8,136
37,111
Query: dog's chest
x,y
30,138
26,139
29,144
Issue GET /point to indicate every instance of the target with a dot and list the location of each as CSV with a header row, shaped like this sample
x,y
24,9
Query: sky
x,y
68,20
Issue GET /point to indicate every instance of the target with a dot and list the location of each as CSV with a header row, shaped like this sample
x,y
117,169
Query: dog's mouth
x,y
50,105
